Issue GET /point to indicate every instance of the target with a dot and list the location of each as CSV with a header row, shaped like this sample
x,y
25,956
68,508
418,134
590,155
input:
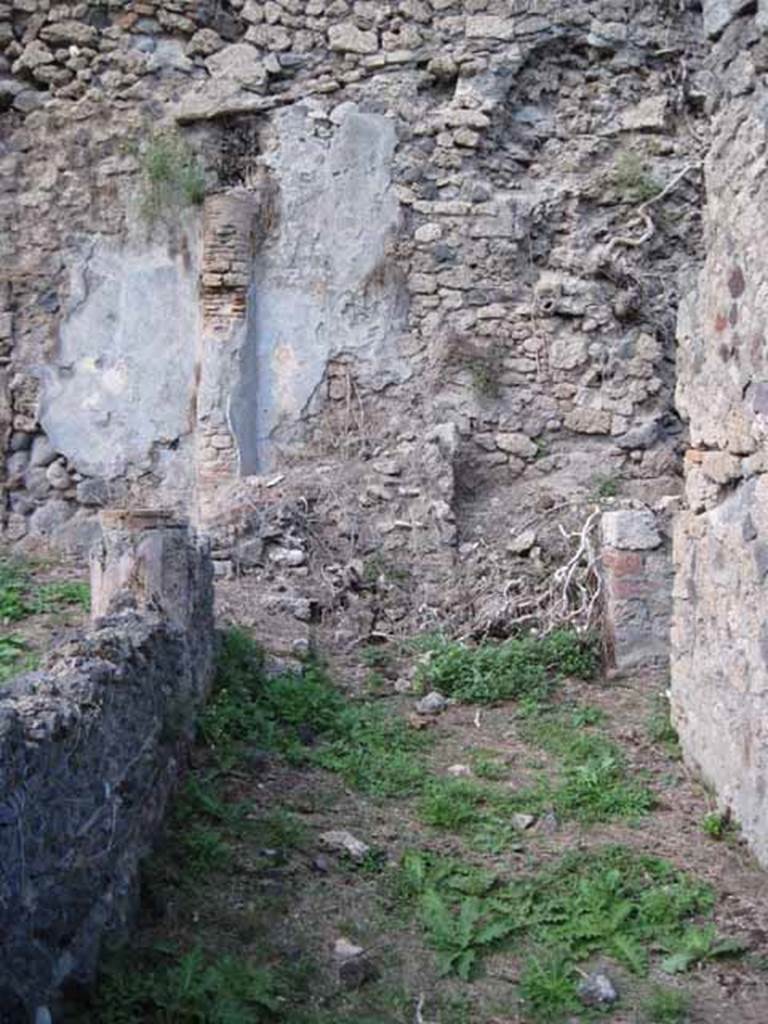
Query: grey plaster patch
x,y
322,286
123,377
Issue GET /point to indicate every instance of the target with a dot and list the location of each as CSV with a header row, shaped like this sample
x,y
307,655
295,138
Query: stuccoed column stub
x,y
149,561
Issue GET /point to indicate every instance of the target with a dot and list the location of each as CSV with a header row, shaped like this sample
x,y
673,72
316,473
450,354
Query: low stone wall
x,y
637,580
90,749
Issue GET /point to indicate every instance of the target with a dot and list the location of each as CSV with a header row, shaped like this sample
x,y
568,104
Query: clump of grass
x,y
548,987
186,987
607,902
660,728
519,667
594,783
716,825
487,765
12,660
13,587
52,597
21,597
633,180
605,487
304,717
666,1006
172,176
375,752
697,945
459,805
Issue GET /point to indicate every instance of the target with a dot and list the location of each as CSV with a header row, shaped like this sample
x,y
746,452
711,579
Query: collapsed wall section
x,y
720,632
90,749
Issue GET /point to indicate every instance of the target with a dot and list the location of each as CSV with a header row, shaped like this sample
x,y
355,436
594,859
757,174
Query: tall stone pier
x,y
720,628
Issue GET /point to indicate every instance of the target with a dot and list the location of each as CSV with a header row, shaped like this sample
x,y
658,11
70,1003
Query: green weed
x,y
172,177
459,934
13,585
306,718
547,987
632,179
375,752
698,944
660,729
12,649
280,829
52,597
716,825
608,902
479,811
20,597
605,487
522,666
666,1006
487,765
376,656
594,783
585,714
204,849
187,988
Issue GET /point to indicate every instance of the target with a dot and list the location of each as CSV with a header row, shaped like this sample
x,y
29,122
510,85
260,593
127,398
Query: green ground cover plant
x,y
519,667
608,902
304,717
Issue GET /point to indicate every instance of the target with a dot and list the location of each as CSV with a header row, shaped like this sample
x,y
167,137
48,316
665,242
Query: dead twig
x,y
642,217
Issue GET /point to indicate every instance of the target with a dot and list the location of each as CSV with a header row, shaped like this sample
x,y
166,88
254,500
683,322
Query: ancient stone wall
x,y
468,217
90,748
720,637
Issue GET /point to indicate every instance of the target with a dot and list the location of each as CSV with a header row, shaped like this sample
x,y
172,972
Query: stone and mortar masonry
x,y
91,746
720,629
448,189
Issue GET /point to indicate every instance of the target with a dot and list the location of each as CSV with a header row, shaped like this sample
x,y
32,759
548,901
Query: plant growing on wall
x,y
172,176
632,179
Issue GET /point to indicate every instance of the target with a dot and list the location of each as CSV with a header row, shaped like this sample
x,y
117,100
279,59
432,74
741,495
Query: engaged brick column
x,y
228,240
637,577
150,561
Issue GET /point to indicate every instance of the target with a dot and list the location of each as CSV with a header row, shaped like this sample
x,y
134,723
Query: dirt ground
x,y
291,905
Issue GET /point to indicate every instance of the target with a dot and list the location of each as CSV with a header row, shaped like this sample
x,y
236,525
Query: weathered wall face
x,y
122,379
420,216
90,749
720,637
321,285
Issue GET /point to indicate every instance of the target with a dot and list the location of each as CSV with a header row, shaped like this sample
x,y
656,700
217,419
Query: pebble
x,y
597,989
321,864
341,841
354,966
433,704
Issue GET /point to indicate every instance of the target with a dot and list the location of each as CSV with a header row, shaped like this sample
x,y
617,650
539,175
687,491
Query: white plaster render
x,y
123,376
321,285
